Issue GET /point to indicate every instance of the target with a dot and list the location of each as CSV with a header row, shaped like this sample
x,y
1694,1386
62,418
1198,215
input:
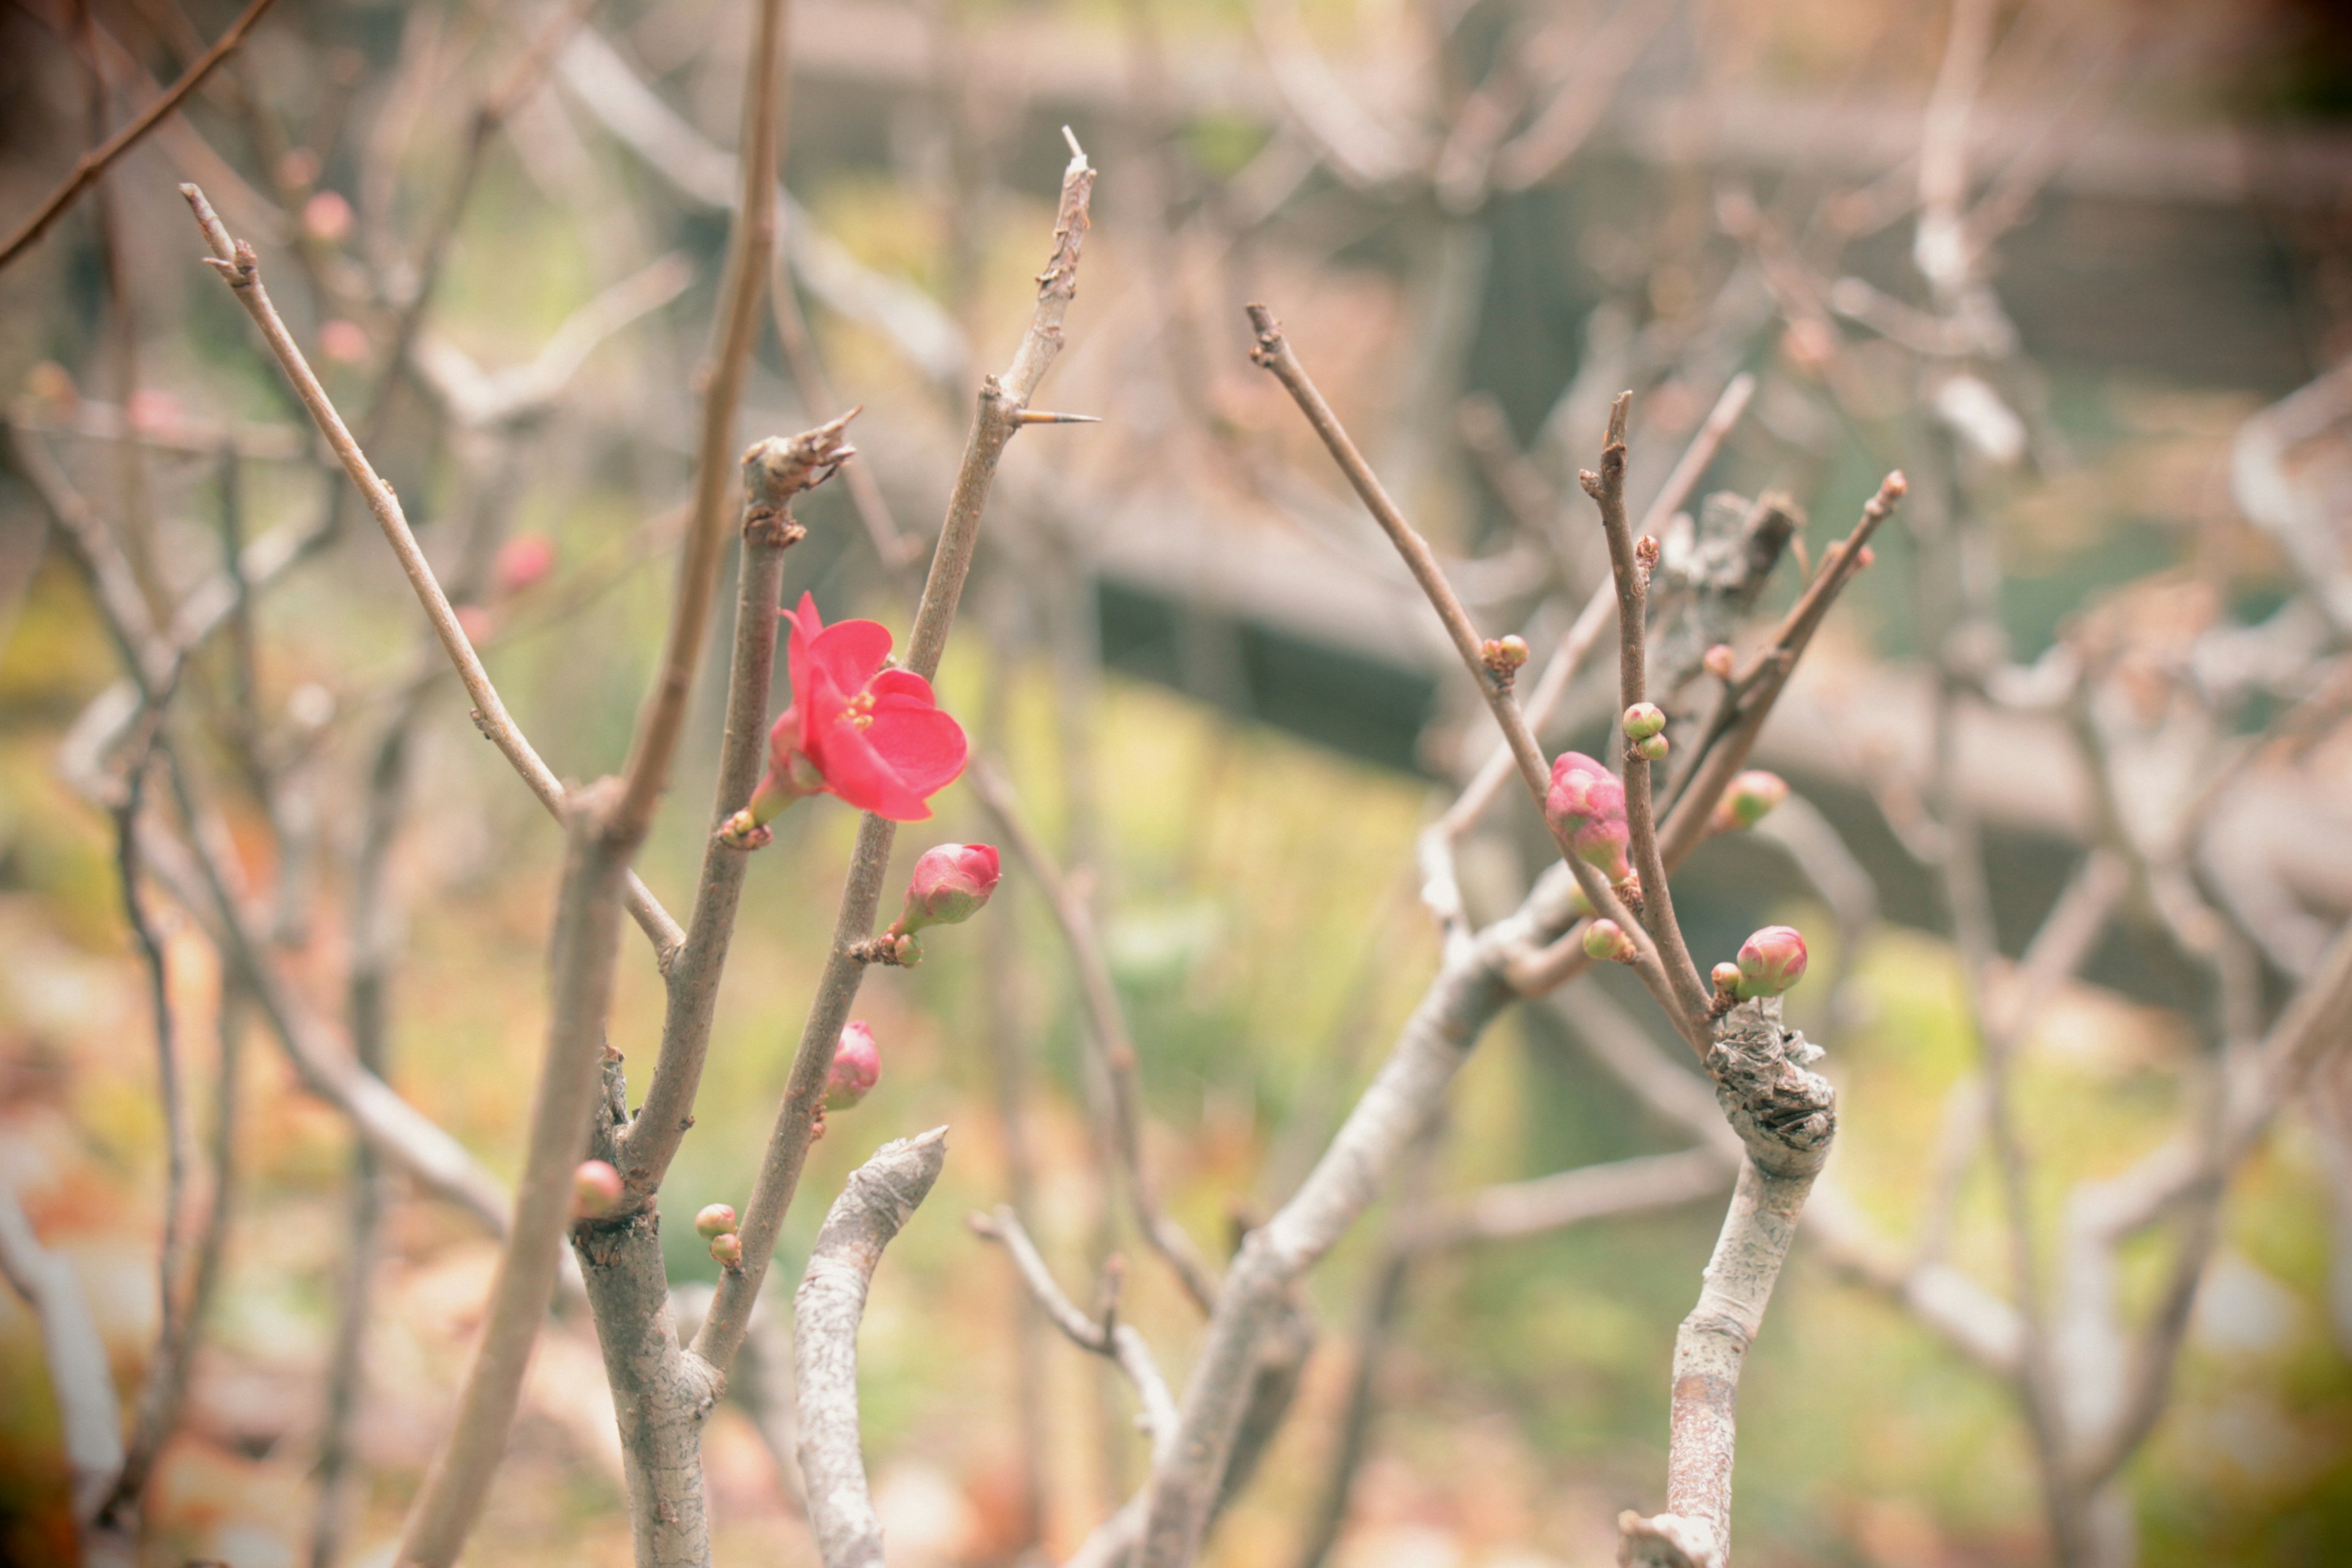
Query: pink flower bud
x,y
1720,661
856,1064
521,561
343,341
1653,749
715,1220
595,1190
1726,976
1588,802
1606,942
1749,801
1645,720
726,1251
327,217
299,169
1771,962
151,412
950,884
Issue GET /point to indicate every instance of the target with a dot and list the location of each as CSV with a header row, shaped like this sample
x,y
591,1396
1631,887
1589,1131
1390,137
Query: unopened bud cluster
x,y
1587,804
1504,657
716,1224
1645,731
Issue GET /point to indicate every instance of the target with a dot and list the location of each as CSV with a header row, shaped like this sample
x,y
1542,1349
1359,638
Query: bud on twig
x,y
857,1065
1749,800
1503,656
1645,720
1653,749
1721,661
715,1220
1587,803
1726,976
950,883
1606,942
595,1190
726,1251
1771,962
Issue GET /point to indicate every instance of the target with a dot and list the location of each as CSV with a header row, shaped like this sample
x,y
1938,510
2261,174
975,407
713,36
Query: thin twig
x,y
94,162
581,988
1272,353
1466,995
998,419
1107,1032
1607,488
166,1374
752,237
235,262
1108,1337
775,472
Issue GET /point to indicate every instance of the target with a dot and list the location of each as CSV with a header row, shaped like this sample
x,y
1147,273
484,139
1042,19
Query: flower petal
x,y
851,651
922,745
853,768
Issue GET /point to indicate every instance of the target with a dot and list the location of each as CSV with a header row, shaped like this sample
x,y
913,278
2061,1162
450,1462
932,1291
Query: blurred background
x,y
2080,268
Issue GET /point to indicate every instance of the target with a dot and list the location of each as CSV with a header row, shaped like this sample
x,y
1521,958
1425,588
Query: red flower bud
x,y
595,1190
950,884
726,1251
1749,801
716,1219
521,561
1606,942
1587,803
1645,720
1771,962
856,1064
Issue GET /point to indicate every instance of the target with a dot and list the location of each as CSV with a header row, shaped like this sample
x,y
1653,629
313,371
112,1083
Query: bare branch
x,y
581,987
750,239
1107,1032
1466,995
80,1378
775,472
94,162
994,424
1566,1198
1108,1337
239,267
881,1196
1272,353
1607,488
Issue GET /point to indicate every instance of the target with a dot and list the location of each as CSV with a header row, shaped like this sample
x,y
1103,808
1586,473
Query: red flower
x,y
873,736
